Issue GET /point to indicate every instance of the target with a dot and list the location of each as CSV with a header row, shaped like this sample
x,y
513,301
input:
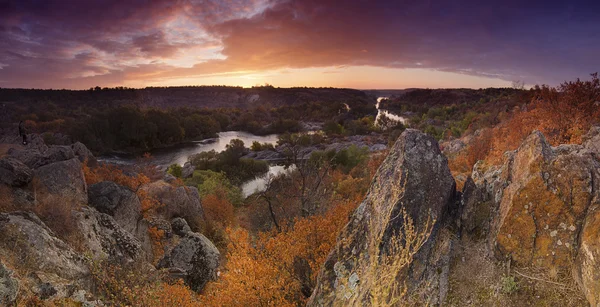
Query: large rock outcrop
x,y
414,179
83,154
182,201
195,259
539,208
117,201
55,269
35,158
105,238
14,173
62,179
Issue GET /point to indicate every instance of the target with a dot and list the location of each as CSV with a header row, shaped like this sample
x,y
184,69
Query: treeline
x,y
139,120
452,113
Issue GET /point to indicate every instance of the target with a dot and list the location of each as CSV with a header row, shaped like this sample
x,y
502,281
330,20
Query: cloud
x,y
74,44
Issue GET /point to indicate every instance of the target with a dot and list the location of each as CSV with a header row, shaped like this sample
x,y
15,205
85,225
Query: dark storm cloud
x,y
73,43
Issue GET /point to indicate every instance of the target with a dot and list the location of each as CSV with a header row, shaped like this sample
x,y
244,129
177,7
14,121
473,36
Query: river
x,y
388,114
179,154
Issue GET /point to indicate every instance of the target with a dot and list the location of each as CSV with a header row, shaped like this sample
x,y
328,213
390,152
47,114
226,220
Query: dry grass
x,y
477,279
385,266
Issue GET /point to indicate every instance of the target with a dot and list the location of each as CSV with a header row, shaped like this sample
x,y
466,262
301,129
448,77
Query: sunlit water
x,y
392,116
259,184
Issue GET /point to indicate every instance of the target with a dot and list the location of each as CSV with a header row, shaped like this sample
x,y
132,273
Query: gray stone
x,y
414,179
117,201
187,170
105,239
9,286
180,227
25,236
195,258
84,154
64,180
14,173
35,158
178,201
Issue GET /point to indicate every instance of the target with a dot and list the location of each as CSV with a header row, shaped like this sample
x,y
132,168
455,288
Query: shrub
x,y
509,284
210,182
333,128
175,170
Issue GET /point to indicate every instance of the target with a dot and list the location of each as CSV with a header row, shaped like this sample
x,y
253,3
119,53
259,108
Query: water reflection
x,y
179,154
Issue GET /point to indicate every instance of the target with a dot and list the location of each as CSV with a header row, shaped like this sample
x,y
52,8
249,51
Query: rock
x,y
195,258
265,155
168,178
476,213
31,157
9,286
453,147
25,236
105,239
14,173
550,190
35,158
377,147
187,170
183,201
58,153
180,227
588,258
117,201
414,179
62,180
543,202
84,154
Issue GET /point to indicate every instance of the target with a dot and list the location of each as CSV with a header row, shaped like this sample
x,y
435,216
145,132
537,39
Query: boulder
x,y
187,170
543,207
14,173
105,238
35,158
83,154
180,227
178,201
64,180
414,181
26,237
195,258
117,201
9,286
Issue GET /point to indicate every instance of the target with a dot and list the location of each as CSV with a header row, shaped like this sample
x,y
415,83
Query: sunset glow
x,y
376,44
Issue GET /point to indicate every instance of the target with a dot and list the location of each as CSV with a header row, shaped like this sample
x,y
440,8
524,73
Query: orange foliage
x,y
134,286
107,172
157,236
563,114
265,271
217,208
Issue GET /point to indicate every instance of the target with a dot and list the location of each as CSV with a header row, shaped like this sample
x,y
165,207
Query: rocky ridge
x,y
538,210
107,220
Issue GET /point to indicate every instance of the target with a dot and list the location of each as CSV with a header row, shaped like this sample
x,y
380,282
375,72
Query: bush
x,y
210,182
257,146
509,284
175,170
333,128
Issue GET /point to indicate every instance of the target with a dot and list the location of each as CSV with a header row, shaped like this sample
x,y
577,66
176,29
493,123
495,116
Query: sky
x,y
78,44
